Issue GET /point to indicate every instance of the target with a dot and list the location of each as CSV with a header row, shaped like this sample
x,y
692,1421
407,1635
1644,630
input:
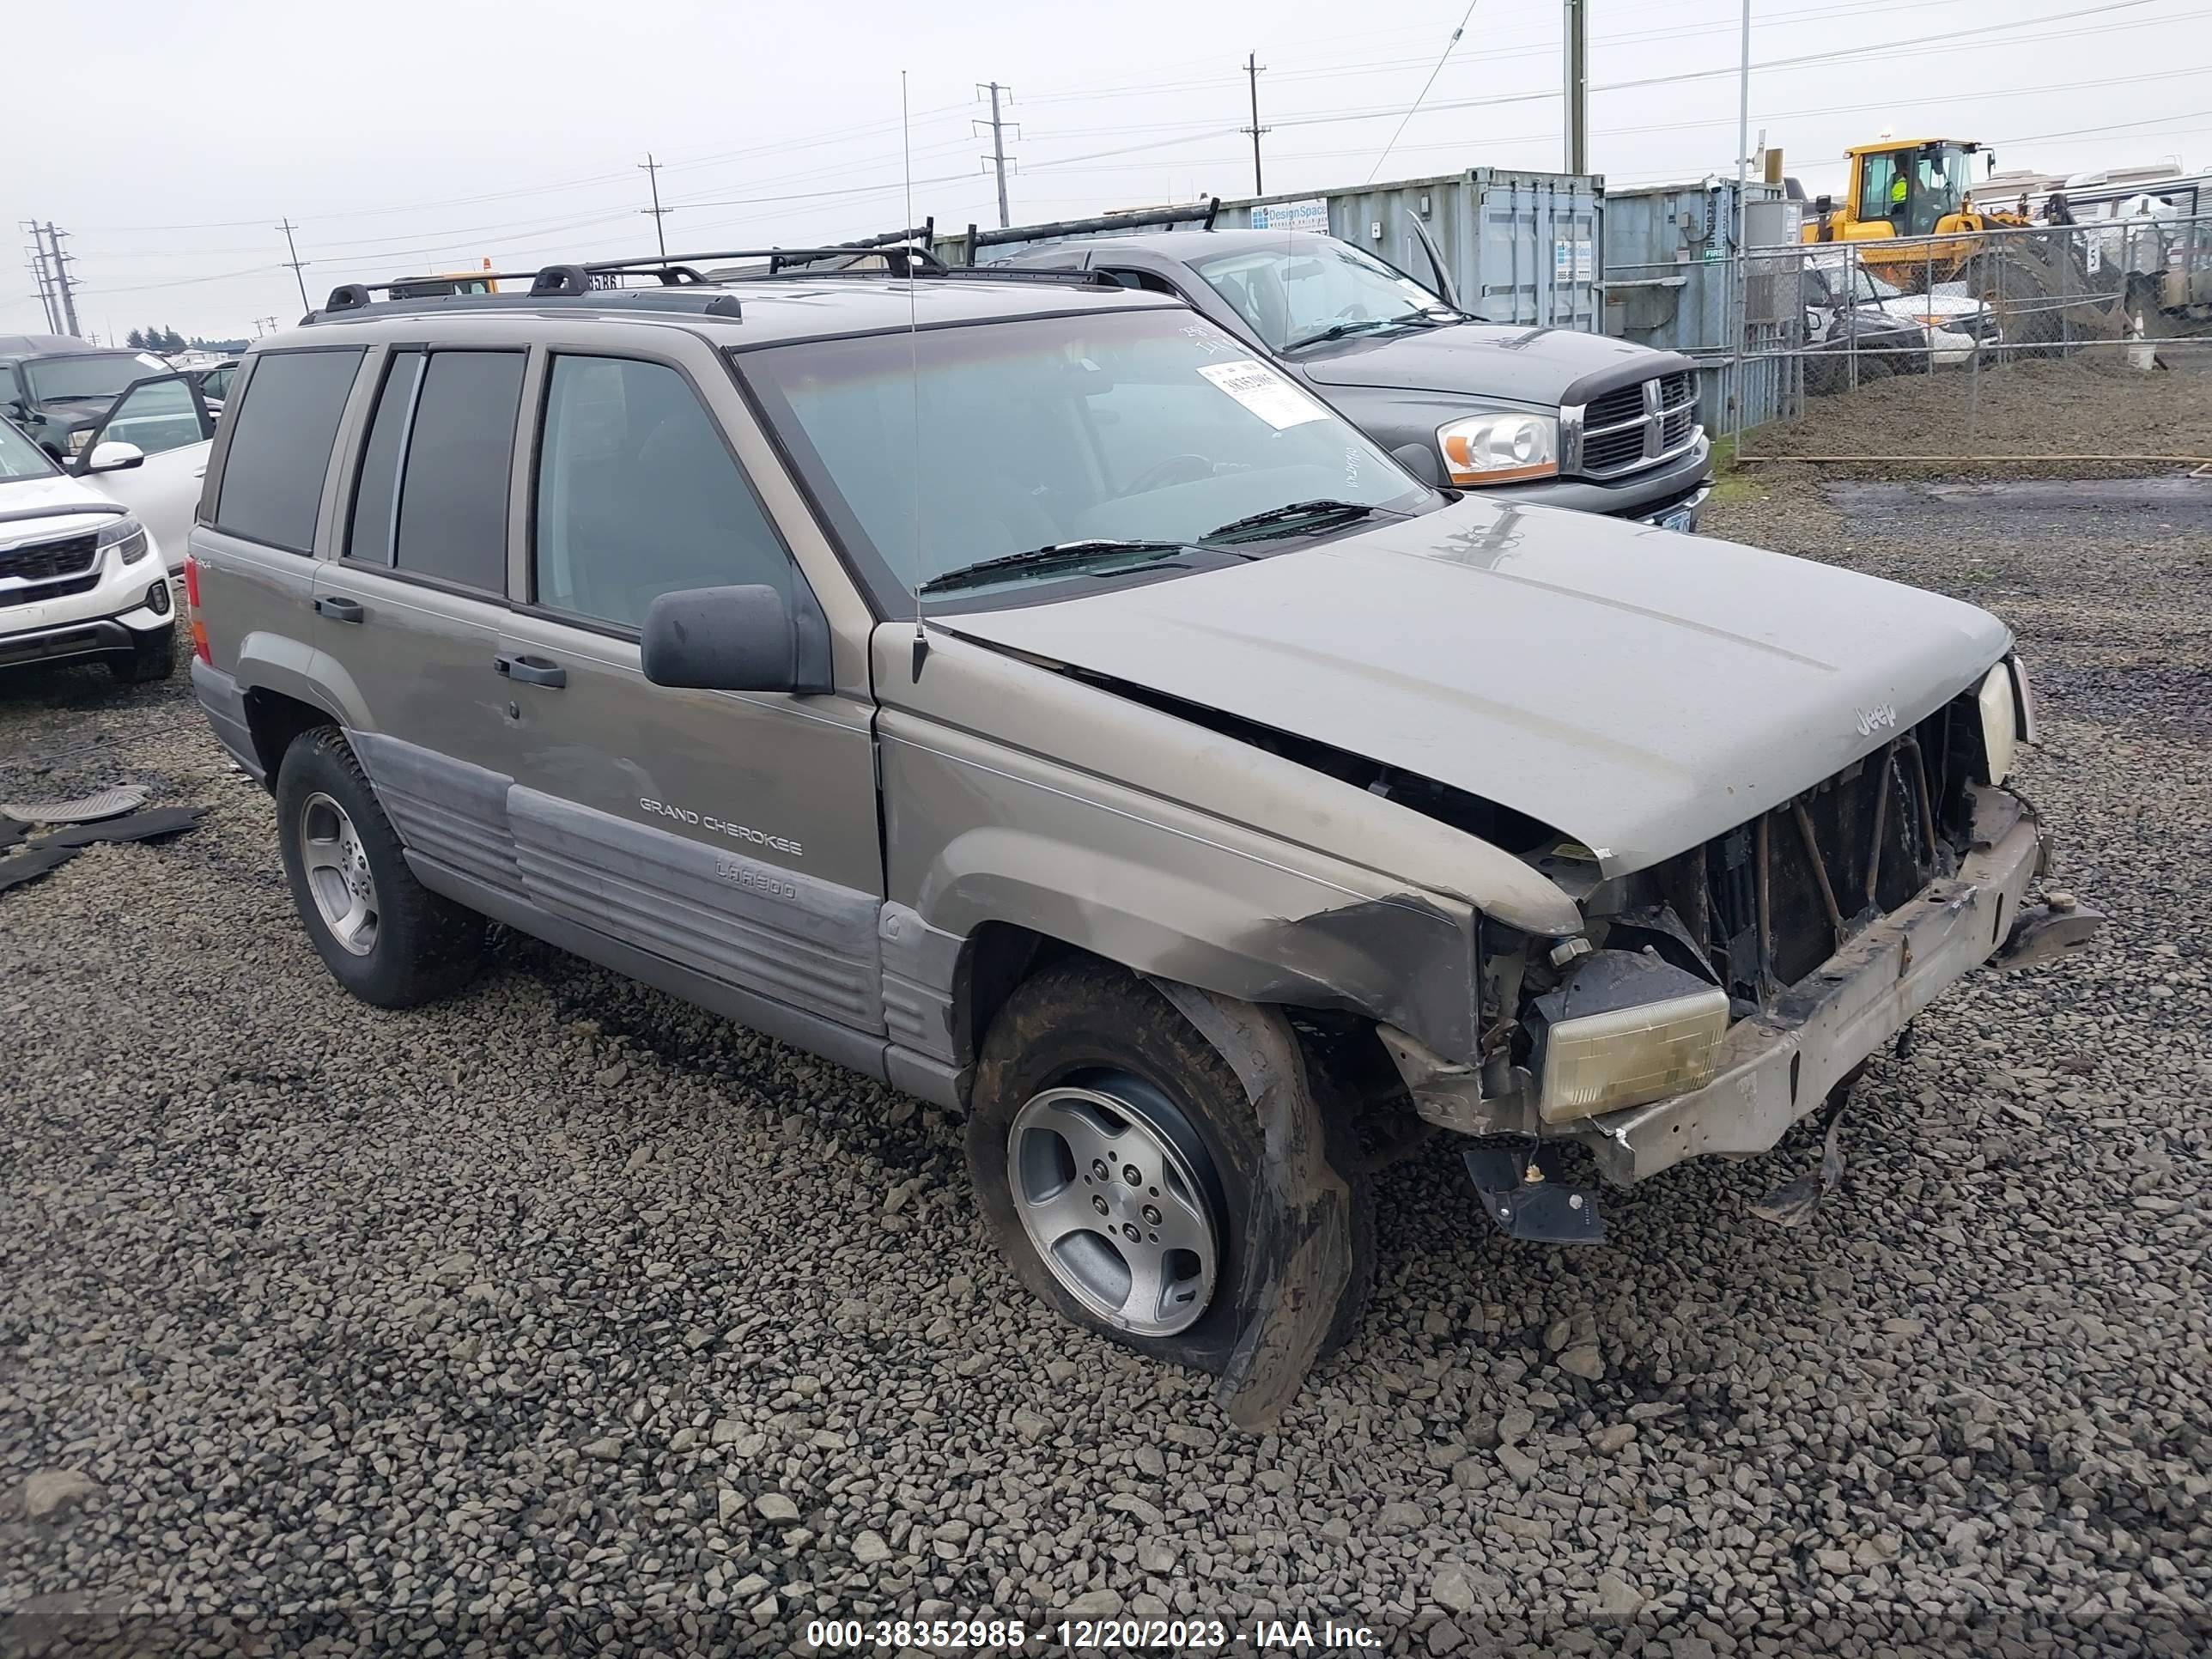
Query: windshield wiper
x,y
1288,520
1337,331
1040,560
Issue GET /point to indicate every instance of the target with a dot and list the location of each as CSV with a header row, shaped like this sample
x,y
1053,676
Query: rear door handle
x,y
344,611
532,671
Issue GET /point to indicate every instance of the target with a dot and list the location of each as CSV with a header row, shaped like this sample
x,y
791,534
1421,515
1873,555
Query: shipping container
x,y
1520,247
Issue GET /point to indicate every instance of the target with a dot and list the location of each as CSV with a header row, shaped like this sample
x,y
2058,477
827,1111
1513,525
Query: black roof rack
x,y
1204,212
677,274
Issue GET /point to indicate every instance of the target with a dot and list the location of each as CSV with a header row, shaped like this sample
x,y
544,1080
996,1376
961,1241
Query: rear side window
x,y
280,446
432,498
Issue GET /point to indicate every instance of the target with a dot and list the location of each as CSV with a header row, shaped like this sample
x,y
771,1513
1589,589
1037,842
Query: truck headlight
x,y
2000,723
1625,1030
129,535
1488,449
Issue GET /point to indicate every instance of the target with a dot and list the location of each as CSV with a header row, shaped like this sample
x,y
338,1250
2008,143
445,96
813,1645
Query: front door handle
x,y
344,611
532,671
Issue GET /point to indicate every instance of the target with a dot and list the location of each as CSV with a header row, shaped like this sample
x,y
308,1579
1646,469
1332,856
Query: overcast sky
x,y
403,135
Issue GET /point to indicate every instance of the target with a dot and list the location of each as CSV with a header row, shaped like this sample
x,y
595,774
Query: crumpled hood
x,y
1528,365
1640,691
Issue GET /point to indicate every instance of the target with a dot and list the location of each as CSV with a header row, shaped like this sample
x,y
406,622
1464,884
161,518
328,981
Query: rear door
x,y
262,514
411,608
164,418
734,833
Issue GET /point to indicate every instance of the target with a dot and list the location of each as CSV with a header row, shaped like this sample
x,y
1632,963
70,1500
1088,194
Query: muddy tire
x,y
2016,285
383,936
1088,1075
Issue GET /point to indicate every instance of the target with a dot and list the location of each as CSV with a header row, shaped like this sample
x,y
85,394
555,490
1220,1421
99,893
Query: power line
x,y
1423,93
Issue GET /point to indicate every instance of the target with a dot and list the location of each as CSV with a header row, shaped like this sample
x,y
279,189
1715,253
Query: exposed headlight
x,y
1623,1030
129,535
79,439
1488,449
2000,722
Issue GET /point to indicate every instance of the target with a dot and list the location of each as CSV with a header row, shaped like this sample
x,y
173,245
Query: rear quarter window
x,y
283,429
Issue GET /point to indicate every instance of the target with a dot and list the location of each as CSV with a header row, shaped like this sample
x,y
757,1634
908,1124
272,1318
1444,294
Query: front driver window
x,y
638,496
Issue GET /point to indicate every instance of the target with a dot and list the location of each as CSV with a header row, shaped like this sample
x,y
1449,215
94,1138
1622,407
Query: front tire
x,y
1088,1075
383,936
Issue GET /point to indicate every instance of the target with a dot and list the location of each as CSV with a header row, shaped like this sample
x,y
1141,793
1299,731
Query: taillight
x,y
192,611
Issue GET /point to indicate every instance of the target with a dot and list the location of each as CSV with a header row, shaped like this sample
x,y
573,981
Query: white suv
x,y
80,577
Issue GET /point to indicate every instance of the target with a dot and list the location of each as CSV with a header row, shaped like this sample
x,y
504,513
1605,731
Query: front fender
x,y
1168,892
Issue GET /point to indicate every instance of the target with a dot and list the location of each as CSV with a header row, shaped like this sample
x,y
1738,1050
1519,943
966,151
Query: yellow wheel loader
x,y
1911,216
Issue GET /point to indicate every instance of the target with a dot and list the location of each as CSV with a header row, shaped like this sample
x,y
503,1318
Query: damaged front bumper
x,y
1780,1065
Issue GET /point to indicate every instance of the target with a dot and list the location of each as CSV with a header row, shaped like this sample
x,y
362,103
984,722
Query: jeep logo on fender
x,y
1872,720
718,826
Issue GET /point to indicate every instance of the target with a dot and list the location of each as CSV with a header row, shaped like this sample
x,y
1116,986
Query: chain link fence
x,y
2086,345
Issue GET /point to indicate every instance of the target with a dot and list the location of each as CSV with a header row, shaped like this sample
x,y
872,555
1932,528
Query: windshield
x,y
1945,175
1873,290
90,374
20,458
1139,425
1300,291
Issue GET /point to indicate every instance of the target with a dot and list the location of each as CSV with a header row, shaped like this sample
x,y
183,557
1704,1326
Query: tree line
x,y
168,340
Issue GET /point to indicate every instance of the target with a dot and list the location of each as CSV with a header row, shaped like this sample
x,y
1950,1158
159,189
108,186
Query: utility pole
x,y
998,147
58,264
652,170
34,260
296,264
1743,295
1575,39
1253,66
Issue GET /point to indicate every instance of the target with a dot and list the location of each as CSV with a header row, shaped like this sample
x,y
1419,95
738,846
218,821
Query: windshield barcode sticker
x,y
1263,391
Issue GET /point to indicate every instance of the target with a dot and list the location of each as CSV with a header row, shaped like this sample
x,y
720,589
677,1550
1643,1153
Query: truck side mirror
x,y
746,638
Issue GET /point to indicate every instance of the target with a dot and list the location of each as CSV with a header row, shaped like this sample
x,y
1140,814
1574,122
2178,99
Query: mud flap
x,y
1300,1257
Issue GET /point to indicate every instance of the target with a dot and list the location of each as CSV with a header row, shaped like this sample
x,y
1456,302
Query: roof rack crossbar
x,y
1206,213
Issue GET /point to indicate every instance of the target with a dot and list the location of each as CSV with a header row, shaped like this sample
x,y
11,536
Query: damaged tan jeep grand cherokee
x,y
1053,711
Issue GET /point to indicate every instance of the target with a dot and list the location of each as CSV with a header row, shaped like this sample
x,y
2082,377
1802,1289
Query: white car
x,y
1954,323
166,422
81,577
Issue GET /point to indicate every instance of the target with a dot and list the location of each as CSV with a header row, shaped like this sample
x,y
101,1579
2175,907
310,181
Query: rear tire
x,y
1088,1067
383,936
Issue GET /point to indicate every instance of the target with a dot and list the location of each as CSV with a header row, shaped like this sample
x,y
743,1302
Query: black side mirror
x,y
737,639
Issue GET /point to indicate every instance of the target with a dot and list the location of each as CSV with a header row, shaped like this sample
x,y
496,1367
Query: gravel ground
x,y
2063,409
562,1317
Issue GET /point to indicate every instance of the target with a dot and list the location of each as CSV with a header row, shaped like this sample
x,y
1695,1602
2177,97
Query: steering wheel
x,y
1357,311
1175,470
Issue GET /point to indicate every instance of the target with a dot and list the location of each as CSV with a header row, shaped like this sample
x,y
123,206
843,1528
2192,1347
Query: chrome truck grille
x,y
1628,429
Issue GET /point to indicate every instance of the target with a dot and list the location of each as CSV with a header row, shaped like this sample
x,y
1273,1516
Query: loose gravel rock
x,y
565,1313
